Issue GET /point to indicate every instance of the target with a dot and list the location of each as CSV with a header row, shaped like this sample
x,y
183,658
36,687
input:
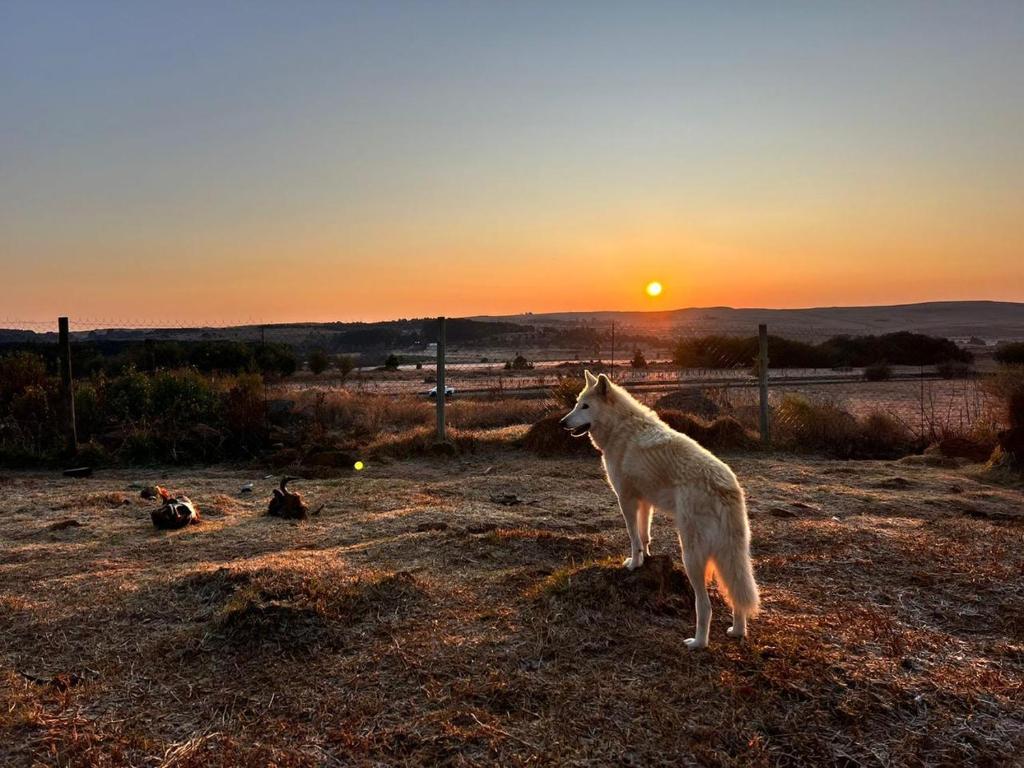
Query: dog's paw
x,y
632,563
739,634
693,644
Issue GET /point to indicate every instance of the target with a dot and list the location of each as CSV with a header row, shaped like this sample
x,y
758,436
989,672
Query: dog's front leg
x,y
629,504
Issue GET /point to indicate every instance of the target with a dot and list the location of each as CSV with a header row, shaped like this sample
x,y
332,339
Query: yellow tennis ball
x,y
359,466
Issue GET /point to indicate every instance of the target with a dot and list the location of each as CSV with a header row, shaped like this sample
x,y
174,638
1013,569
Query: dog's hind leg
x,y
629,504
695,560
643,525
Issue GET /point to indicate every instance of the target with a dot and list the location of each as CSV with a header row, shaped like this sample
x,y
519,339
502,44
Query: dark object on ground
x,y
289,504
688,401
78,472
176,512
65,524
506,499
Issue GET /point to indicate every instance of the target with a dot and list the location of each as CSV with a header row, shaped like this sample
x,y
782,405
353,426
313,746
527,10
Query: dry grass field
x,y
470,611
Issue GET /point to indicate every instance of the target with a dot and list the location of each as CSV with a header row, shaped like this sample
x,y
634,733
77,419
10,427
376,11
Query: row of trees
x,y
902,348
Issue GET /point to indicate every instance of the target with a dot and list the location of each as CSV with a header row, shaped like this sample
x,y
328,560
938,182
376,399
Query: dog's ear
x,y
589,378
604,387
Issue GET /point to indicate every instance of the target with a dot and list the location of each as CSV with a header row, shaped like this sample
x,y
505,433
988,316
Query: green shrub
x,y
88,410
128,397
182,399
18,371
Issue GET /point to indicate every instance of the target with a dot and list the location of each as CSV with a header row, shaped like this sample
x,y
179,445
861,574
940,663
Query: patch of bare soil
x,y
471,610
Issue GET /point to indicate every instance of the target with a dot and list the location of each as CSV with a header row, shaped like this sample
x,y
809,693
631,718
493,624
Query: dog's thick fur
x,y
649,465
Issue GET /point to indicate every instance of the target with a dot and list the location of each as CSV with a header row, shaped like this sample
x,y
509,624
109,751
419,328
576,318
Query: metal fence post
x,y
762,375
67,390
441,436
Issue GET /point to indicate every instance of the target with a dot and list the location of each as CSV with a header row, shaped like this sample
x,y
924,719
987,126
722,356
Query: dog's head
x,y
595,397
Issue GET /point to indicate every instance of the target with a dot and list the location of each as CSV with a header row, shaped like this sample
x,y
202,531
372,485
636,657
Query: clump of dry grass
x,y
659,586
547,438
802,425
296,611
422,441
721,434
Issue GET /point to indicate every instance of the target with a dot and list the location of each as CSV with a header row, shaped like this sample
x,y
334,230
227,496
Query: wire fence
x,y
702,370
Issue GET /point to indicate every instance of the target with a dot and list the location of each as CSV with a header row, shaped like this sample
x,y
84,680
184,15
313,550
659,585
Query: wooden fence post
x,y
441,435
762,375
67,389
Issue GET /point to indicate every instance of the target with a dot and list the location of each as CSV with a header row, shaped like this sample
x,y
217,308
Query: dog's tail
x,y
732,563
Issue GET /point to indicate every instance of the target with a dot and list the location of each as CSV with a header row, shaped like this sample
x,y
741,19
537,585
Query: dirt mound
x,y
688,401
291,612
722,434
956,447
547,438
658,586
534,545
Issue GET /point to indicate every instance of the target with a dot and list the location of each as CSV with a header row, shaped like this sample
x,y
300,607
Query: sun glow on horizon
x,y
653,289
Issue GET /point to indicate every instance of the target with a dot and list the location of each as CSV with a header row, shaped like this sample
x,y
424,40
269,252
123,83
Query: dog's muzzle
x,y
578,431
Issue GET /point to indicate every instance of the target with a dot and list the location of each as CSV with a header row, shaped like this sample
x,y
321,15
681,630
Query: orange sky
x,y
268,167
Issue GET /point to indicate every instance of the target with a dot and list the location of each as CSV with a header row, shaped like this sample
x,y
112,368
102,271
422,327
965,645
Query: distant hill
x,y
990,320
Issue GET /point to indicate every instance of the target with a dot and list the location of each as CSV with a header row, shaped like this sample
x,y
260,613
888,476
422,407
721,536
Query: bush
x,y
519,363
128,397
826,428
1010,353
566,390
318,362
801,425
392,362
345,365
878,372
883,437
244,411
18,371
88,410
954,369
182,399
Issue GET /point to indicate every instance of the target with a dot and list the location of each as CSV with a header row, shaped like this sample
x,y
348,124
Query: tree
x,y
638,361
1010,353
318,362
345,365
392,363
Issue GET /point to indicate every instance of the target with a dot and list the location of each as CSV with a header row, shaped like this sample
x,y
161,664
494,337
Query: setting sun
x,y
654,289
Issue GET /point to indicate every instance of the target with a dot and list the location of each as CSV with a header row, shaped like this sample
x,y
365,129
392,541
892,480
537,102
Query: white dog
x,y
650,465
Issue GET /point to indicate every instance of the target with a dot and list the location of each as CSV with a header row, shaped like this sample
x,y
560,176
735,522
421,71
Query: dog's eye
x,y
585,406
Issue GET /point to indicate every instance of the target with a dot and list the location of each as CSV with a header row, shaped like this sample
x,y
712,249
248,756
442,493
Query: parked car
x,y
448,392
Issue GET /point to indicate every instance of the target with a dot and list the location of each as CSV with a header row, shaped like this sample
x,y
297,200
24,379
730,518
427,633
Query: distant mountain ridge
x,y
989,320
986,319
